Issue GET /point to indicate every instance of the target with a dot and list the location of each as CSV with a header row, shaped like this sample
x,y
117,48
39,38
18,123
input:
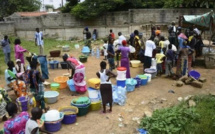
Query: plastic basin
x,y
69,114
196,75
22,103
53,64
135,63
51,96
95,106
71,85
83,110
55,86
62,80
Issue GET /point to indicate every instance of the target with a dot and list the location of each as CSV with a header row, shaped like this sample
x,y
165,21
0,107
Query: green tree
x,y
8,7
68,7
189,3
93,8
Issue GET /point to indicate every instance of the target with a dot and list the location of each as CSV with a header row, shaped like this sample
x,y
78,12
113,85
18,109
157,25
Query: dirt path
x,y
146,98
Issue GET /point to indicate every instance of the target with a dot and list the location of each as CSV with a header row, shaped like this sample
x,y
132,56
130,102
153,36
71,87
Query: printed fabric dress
x,y
17,124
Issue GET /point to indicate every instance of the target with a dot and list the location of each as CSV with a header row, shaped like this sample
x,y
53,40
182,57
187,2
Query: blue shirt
x,y
110,50
180,40
6,46
170,55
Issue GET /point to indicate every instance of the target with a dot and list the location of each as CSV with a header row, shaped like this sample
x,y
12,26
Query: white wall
x,y
55,3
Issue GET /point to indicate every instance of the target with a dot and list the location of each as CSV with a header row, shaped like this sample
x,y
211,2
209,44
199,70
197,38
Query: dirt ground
x,y
146,98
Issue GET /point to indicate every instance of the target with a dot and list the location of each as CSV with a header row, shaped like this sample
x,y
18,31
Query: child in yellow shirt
x,y
159,59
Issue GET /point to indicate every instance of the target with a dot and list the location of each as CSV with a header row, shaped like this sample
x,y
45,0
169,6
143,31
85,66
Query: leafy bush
x,y
169,120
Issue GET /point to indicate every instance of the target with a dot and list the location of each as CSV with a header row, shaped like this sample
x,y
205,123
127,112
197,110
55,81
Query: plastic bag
x,y
119,95
131,81
132,49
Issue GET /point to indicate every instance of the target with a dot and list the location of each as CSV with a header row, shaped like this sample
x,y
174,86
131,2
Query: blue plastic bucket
x,y
144,81
53,64
139,82
71,85
120,83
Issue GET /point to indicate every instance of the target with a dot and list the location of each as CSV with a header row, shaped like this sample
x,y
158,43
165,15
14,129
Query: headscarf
x,y
124,42
157,32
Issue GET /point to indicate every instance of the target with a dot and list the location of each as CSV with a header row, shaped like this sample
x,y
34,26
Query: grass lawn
x,y
49,44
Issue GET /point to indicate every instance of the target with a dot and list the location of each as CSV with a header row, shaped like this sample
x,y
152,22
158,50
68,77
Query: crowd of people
x,y
179,49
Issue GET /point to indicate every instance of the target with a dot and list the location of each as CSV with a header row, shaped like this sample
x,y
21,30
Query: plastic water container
x,y
22,103
77,46
154,63
94,94
139,82
86,50
53,64
92,52
144,79
120,83
97,53
149,77
71,85
121,73
130,84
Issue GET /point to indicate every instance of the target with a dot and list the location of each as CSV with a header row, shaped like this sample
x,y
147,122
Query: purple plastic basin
x,y
53,127
194,74
22,103
69,119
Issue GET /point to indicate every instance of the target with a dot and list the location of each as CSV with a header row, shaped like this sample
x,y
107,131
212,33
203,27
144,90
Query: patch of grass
x,y
181,119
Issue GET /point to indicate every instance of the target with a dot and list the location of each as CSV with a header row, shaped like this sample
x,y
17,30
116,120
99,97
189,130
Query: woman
x,y
137,44
20,68
105,86
182,63
77,73
34,80
12,81
17,123
19,51
125,57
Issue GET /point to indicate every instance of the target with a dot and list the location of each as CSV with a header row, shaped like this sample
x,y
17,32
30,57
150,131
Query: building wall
x,y
66,26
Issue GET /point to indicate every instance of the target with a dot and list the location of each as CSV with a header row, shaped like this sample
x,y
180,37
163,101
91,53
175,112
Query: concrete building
x,y
55,3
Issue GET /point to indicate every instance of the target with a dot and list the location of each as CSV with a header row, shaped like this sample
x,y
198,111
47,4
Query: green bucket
x,y
83,110
142,76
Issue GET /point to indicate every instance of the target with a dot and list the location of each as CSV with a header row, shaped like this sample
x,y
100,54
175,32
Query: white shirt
x,y
30,125
121,38
39,36
150,46
173,48
104,77
8,76
105,49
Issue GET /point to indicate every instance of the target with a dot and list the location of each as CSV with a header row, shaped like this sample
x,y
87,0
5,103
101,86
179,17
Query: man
x,y
88,37
39,40
5,43
172,34
150,46
111,53
121,38
112,34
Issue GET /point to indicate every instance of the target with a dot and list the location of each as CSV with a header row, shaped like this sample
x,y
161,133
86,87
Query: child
x,y
32,126
105,86
105,46
170,56
159,58
20,68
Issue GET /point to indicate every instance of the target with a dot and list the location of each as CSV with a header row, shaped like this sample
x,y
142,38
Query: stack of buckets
x,y
94,94
22,102
121,76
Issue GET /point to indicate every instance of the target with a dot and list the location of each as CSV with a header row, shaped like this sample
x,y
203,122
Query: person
x,y
172,33
16,124
87,37
39,41
18,86
150,46
112,34
182,63
137,45
105,46
153,29
19,51
163,44
157,37
181,38
5,43
170,57
125,57
77,72
159,59
34,80
111,53
4,100
95,34
20,68
32,126
131,39
192,44
105,86
121,38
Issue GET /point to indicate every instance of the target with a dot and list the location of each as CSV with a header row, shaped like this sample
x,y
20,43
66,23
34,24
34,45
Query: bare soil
x,y
146,98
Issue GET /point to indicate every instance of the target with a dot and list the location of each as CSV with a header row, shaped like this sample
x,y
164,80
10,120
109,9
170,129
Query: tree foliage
x,y
93,8
8,7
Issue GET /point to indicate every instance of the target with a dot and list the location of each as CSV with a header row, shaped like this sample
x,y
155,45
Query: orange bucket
x,y
62,80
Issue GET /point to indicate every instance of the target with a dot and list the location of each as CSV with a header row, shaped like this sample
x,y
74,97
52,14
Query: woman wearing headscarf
x,y
137,44
125,57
